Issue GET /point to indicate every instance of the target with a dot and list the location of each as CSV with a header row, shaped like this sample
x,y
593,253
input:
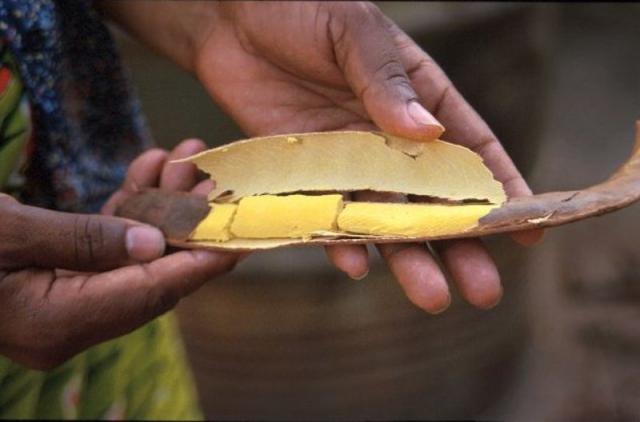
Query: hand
x,y
69,281
279,67
296,67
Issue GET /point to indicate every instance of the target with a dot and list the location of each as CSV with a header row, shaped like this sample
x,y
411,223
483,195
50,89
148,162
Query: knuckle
x,y
11,232
89,234
159,299
350,16
225,262
357,12
189,144
389,78
153,152
391,72
149,155
336,27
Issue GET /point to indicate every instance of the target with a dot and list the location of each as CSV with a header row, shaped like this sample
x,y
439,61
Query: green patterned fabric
x,y
142,375
14,117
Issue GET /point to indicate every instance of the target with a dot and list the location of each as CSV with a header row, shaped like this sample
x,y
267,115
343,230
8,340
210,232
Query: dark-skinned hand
x,y
278,67
69,281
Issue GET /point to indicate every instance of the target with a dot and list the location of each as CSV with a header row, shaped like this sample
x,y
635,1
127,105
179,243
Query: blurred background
x,y
286,337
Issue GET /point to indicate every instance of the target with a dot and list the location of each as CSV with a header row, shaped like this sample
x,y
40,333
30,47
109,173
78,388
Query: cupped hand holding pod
x,y
290,190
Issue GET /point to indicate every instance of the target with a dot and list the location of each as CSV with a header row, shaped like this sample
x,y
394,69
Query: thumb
x,y
35,237
365,51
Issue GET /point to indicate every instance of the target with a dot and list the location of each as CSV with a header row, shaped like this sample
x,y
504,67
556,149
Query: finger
x,y
144,172
353,260
464,125
203,188
168,278
117,302
6,197
181,176
419,275
473,271
366,53
35,237
528,237
413,265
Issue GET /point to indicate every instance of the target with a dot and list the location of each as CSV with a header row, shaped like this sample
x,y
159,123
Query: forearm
x,y
174,29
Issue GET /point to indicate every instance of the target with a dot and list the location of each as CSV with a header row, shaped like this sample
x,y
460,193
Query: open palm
x,y
307,66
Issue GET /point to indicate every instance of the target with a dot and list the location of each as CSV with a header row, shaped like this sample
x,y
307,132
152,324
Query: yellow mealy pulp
x,y
215,226
270,216
304,216
411,220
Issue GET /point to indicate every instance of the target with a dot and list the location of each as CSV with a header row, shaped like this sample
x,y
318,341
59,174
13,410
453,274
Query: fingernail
x,y
497,300
144,243
359,277
443,307
421,116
